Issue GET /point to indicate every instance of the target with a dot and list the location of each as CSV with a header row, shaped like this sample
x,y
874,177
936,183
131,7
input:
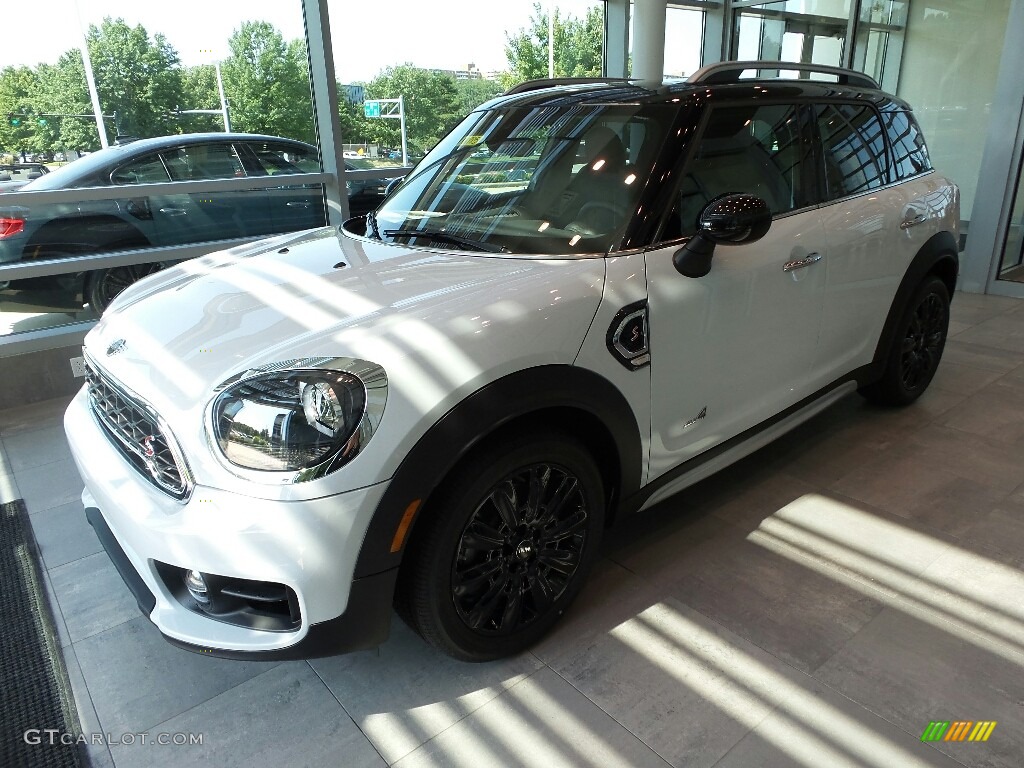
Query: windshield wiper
x,y
444,237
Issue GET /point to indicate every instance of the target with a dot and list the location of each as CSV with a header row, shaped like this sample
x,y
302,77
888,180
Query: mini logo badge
x,y
116,346
147,446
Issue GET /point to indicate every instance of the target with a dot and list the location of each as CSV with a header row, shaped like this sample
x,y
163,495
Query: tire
x,y
493,565
916,347
103,285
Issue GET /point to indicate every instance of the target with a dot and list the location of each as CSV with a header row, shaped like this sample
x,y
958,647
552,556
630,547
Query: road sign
x,y
371,108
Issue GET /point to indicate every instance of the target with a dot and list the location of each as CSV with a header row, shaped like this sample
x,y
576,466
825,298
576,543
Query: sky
x,y
367,35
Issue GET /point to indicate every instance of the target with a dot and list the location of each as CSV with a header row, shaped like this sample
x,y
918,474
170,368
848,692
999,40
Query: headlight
x,y
304,417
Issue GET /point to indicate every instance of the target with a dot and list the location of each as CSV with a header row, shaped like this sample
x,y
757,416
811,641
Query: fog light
x,y
196,585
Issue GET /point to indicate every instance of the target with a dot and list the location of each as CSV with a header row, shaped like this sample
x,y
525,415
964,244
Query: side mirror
x,y
729,220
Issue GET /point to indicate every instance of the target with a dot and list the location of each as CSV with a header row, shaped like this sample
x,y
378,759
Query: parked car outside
x,y
443,405
137,221
14,176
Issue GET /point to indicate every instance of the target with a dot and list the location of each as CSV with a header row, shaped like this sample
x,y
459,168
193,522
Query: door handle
x,y
298,204
913,220
173,211
811,258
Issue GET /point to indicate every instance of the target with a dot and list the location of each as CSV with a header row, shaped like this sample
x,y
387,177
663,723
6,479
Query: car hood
x,y
437,321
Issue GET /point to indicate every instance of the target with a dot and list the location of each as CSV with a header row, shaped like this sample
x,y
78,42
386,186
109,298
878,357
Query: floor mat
x,y
35,696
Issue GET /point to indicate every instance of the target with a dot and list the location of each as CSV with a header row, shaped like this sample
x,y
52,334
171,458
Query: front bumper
x,y
310,546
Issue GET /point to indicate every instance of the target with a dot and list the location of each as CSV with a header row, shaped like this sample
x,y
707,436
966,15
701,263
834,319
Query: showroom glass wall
x,y
947,58
941,55
99,223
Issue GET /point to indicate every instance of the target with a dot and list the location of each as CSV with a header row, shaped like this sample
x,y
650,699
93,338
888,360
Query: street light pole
x,y
223,100
405,143
551,39
93,93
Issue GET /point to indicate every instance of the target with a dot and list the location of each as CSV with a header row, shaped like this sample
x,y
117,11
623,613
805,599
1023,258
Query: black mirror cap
x,y
735,219
694,258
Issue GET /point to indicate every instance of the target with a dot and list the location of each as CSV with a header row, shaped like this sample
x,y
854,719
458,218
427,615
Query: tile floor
x,y
817,604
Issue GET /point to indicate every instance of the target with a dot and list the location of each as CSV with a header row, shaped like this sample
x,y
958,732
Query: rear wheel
x,y
916,347
504,548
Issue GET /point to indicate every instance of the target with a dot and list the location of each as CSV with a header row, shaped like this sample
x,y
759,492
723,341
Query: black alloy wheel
x,y
922,345
503,546
520,549
916,349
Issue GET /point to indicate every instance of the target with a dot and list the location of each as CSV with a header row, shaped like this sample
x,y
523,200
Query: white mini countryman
x,y
586,297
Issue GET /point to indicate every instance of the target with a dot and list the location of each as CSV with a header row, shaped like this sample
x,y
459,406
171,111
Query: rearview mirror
x,y
729,220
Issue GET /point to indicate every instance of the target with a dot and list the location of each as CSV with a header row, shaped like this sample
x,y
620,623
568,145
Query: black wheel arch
x,y
938,256
564,398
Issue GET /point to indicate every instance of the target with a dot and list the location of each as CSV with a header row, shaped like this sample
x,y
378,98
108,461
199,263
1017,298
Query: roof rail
x,y
730,71
551,82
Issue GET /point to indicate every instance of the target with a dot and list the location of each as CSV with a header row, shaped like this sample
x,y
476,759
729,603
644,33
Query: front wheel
x,y
504,548
916,347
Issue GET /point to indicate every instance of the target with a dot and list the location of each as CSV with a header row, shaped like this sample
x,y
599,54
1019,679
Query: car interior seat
x,y
596,198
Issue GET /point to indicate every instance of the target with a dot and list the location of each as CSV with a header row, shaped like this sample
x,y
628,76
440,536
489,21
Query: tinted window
x,y
756,149
147,170
853,148
203,161
910,155
286,158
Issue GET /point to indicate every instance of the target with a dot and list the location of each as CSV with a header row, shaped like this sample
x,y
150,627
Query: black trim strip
x,y
143,596
597,412
366,623
637,500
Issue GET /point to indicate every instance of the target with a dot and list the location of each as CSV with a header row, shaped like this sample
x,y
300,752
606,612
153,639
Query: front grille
x,y
135,431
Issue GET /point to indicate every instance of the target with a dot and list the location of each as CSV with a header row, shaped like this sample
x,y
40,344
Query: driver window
x,y
752,149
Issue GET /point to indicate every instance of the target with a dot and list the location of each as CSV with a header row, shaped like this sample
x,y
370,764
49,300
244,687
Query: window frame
x,y
808,171
822,173
912,121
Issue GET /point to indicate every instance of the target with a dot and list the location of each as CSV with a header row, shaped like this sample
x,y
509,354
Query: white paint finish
x,y
739,341
311,545
756,442
625,283
441,324
867,255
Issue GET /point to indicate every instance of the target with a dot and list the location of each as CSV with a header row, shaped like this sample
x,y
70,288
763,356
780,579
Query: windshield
x,y
539,180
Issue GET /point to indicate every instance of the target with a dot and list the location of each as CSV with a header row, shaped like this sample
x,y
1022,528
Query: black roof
x,y
615,91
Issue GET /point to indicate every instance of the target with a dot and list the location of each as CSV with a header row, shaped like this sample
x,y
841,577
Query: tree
x,y
199,91
431,105
63,91
267,83
473,93
137,78
578,47
354,125
17,87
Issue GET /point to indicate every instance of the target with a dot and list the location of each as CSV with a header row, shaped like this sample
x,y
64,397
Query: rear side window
x,y
285,158
853,148
148,170
753,149
910,155
199,162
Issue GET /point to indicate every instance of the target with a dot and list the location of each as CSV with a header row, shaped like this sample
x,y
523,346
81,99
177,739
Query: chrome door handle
x,y
173,211
913,221
298,204
811,258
